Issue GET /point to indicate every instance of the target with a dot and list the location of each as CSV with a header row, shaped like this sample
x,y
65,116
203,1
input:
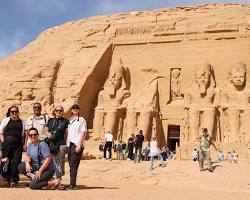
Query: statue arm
x,y
223,100
100,100
217,98
187,99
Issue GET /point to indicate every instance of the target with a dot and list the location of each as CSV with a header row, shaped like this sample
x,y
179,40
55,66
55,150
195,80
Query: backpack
x,y
119,147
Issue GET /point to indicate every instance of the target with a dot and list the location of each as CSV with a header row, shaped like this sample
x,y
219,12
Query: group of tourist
x,y
46,141
134,150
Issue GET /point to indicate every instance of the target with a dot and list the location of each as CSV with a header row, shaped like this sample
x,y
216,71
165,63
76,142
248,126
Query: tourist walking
x,y
38,164
139,138
77,131
12,139
57,131
108,142
205,141
131,141
154,152
38,121
195,155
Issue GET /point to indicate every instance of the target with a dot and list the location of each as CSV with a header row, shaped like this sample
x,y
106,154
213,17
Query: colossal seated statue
x,y
201,100
142,108
110,110
235,106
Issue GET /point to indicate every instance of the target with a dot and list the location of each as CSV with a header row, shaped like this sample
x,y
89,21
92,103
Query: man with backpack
x,y
205,141
139,139
38,121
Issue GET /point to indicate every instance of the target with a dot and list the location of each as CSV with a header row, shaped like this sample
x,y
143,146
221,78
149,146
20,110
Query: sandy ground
x,y
124,180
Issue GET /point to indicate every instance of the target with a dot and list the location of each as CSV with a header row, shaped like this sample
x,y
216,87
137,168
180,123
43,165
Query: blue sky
x,y
22,20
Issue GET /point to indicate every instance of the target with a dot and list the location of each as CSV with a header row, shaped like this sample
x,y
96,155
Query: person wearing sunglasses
x,y
38,121
77,130
38,164
12,139
57,132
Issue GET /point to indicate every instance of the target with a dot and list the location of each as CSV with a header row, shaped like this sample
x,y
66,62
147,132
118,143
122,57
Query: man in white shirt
x,y
108,142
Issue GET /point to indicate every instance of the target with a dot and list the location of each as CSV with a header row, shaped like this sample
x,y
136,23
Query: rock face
x,y
169,72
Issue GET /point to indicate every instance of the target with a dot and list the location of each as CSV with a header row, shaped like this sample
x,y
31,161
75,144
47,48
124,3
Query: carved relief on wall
x,y
175,84
235,106
201,100
110,111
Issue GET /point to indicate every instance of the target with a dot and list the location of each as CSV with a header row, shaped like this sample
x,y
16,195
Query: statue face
x,y
238,78
115,81
175,73
203,80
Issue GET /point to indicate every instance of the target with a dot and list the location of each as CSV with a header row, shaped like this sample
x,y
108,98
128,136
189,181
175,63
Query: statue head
x,y
116,75
175,73
203,77
237,74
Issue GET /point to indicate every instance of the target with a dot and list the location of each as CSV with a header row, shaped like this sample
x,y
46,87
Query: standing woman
x,y
77,130
57,131
12,138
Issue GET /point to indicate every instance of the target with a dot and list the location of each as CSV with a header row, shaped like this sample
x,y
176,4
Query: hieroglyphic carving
x,y
143,29
201,99
235,106
175,84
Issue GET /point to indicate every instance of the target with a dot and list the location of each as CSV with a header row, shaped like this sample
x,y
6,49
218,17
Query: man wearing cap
x,y
38,121
205,141
77,130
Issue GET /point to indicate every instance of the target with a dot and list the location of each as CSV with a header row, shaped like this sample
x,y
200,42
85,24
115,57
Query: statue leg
x,y
131,123
208,122
194,122
98,124
234,124
110,123
145,124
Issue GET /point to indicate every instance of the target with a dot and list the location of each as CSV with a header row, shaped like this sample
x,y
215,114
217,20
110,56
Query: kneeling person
x,y
38,163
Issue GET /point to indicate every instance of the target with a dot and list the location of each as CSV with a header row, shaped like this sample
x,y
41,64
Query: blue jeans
x,y
152,158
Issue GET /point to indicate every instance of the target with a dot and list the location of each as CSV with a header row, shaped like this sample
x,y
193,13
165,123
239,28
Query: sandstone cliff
x,y
70,62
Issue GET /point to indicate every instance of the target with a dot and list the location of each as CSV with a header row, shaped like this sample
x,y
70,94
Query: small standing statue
x,y
175,85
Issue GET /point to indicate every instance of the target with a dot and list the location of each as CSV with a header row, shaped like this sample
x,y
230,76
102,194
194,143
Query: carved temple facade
x,y
172,89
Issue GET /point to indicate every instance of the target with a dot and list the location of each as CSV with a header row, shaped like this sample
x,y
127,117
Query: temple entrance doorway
x,y
173,137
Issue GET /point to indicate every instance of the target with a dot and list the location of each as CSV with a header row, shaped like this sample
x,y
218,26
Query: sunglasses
x,y
59,110
31,135
13,111
76,107
36,107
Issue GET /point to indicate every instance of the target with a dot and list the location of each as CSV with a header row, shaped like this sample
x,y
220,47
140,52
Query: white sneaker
x,y
128,159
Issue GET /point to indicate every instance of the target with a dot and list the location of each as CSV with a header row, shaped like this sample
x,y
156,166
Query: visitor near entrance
x,y
108,143
205,141
139,138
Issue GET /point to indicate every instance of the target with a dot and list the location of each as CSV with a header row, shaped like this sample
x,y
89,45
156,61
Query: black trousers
x,y
36,184
108,146
130,152
14,154
74,161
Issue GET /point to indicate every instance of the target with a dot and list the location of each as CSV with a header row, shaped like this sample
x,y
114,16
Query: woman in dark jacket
x,y
12,137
